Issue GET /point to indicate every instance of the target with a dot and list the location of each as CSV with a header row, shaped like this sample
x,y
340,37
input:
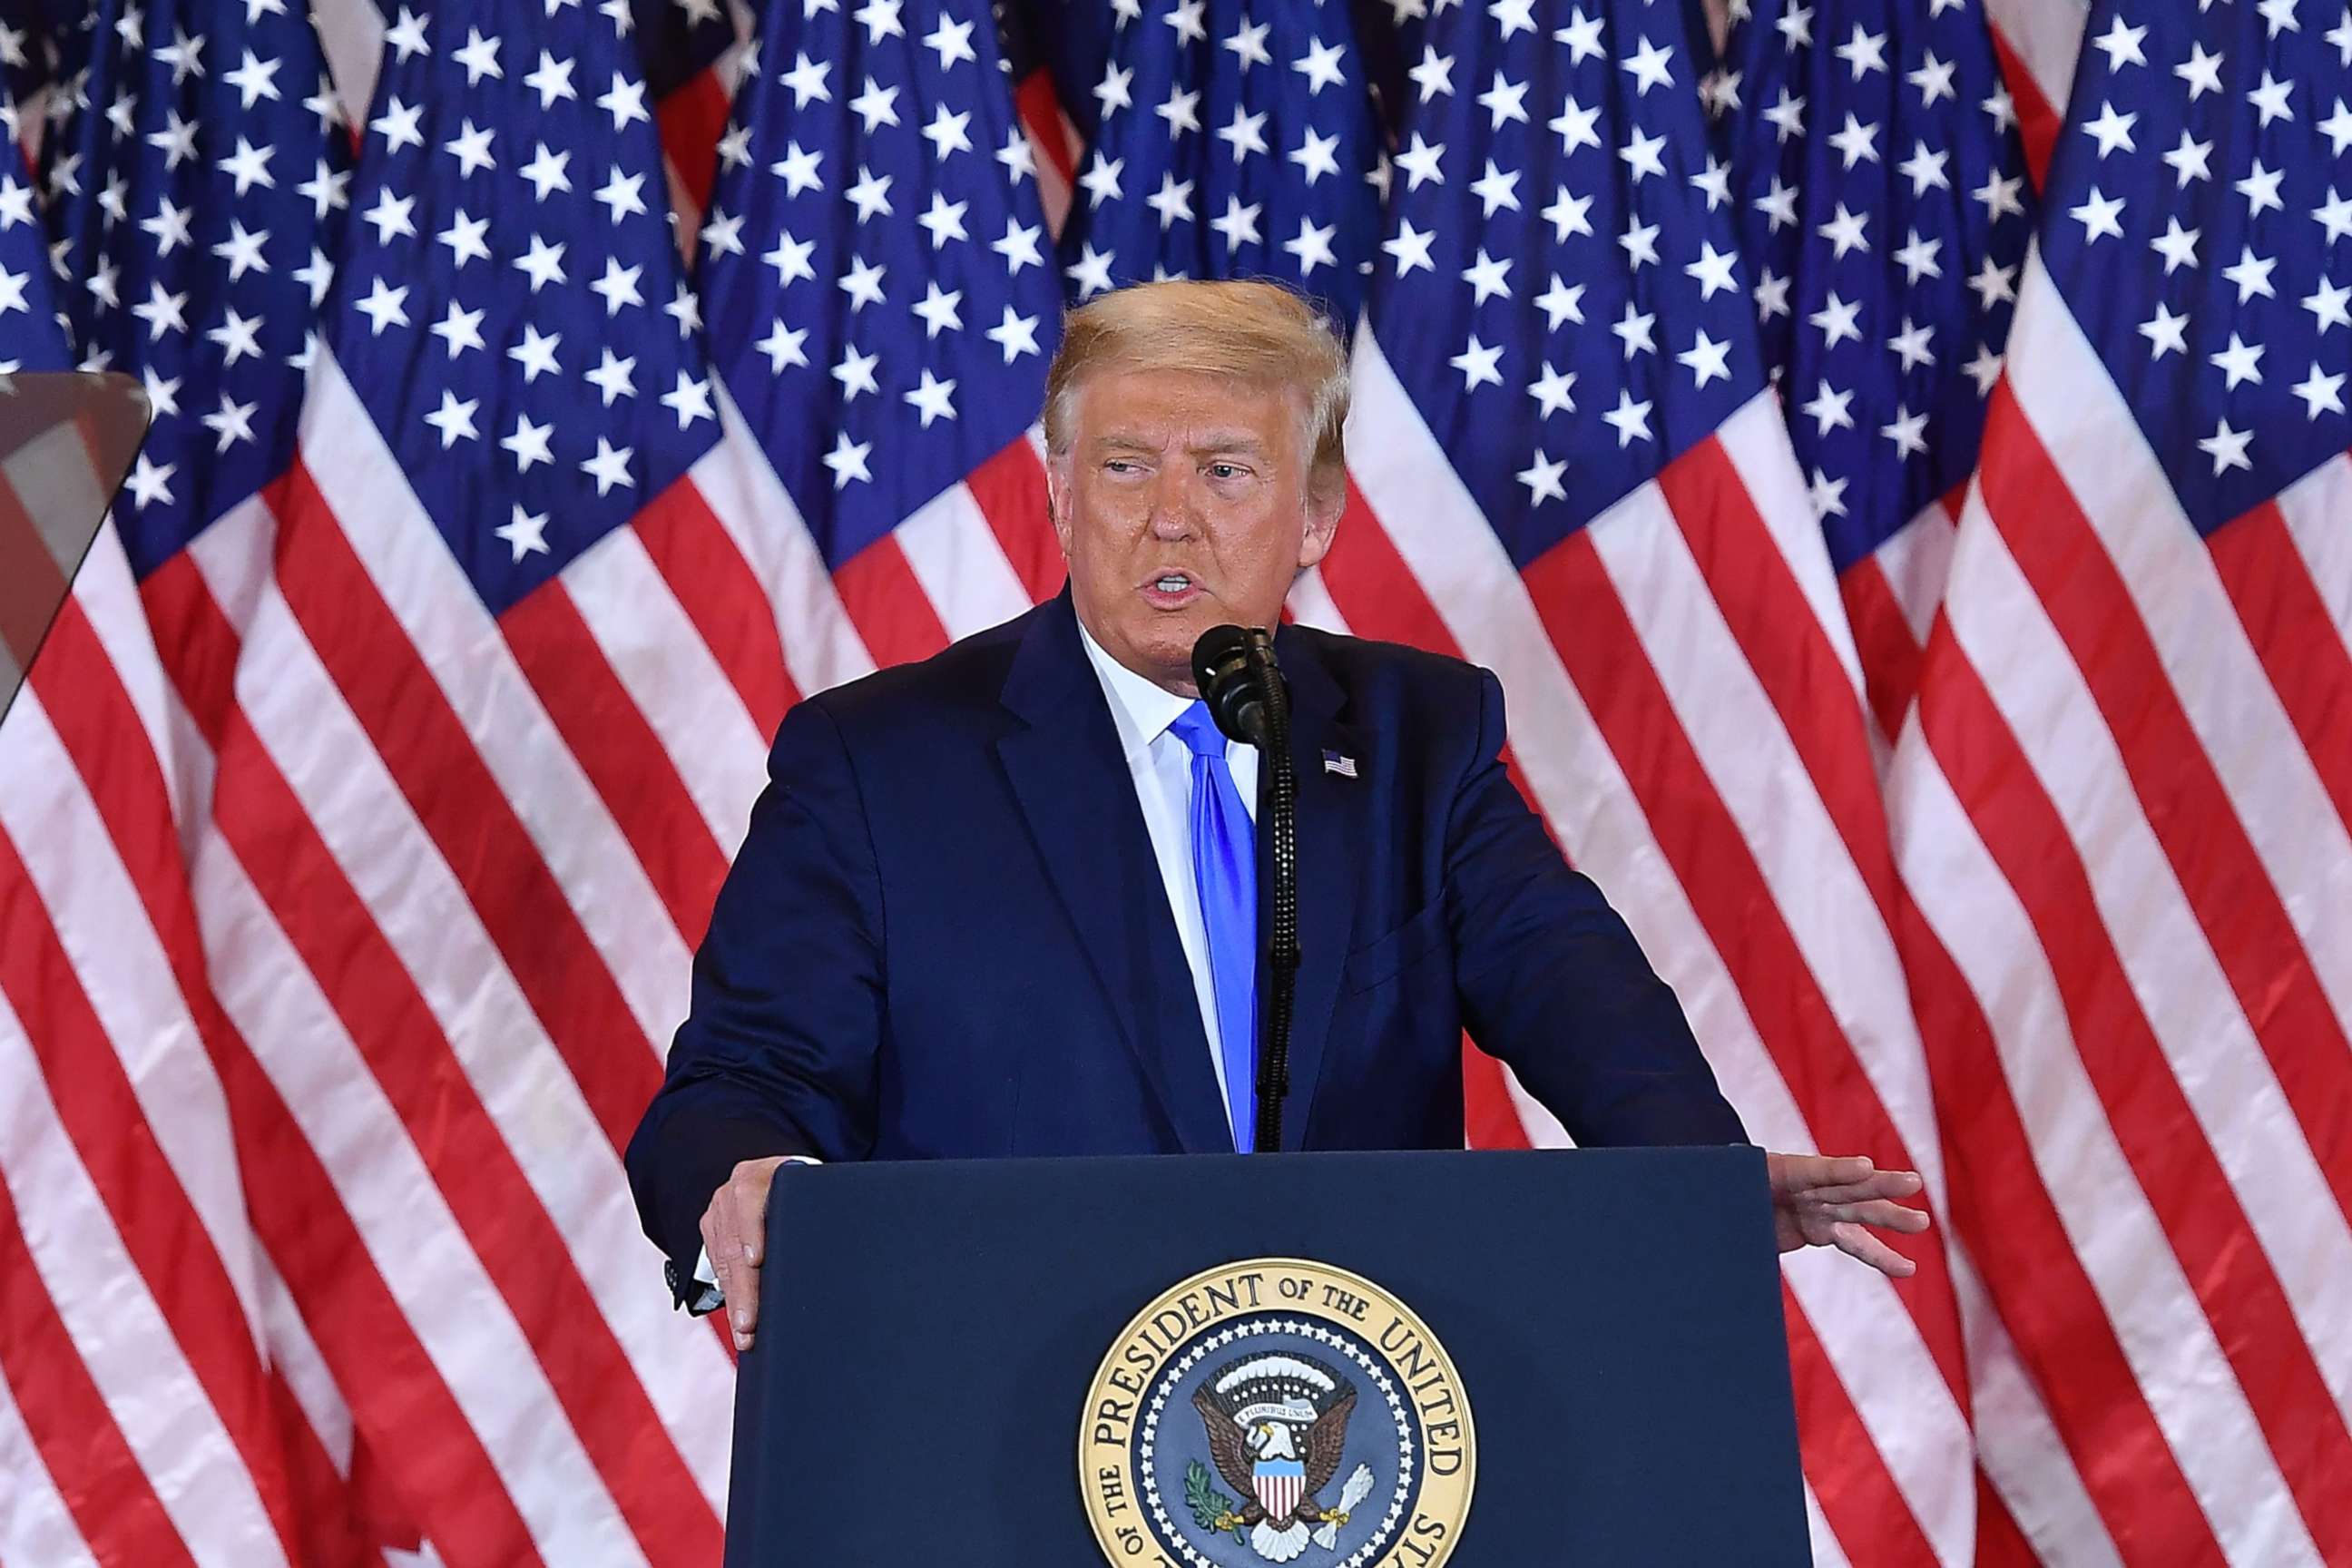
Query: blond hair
x,y
1257,333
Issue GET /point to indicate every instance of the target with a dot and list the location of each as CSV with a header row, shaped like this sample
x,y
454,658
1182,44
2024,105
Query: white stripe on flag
x,y
523,1082
2004,630
2159,1325
1916,562
2315,508
452,631
2017,1443
1756,439
1311,604
296,1356
34,1527
1828,1551
415,1243
1761,778
1446,544
962,568
822,649
121,967
668,671
2084,423
117,1328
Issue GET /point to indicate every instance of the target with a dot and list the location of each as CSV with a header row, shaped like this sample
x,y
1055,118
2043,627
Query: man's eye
x,y
1226,470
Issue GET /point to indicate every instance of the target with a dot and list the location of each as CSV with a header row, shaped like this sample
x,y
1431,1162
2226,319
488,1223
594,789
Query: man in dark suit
x,y
1002,902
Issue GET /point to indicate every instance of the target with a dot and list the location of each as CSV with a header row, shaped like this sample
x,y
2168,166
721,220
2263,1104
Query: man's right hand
x,y
735,1235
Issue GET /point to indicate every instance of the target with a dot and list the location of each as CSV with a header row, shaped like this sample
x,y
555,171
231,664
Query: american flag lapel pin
x,y
1333,762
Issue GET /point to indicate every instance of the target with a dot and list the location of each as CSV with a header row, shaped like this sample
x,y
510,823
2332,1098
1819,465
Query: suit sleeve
x,y
1552,981
778,1051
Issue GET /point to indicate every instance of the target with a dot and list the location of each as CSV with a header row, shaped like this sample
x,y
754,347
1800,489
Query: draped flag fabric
x,y
1896,467
1571,469
2121,803
1880,190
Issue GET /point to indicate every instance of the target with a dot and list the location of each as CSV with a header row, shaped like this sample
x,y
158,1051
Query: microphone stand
x,y
1279,799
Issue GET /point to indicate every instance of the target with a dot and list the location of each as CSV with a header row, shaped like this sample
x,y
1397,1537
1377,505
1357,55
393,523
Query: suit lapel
x,y
1331,829
1073,785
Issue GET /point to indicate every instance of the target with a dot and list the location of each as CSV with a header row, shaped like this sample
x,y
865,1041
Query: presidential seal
x,y
1276,1411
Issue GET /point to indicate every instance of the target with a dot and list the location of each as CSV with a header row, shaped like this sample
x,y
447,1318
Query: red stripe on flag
x,y
160,1229
331,1532
1374,588
2301,647
888,606
721,595
111,1500
2156,1129
1711,859
1784,643
1728,893
2004,1215
395,1031
1010,489
620,752
429,755
520,1246
1490,1117
2185,801
404,1409
2038,122
691,119
1867,1510
1890,654
1041,115
1999,1543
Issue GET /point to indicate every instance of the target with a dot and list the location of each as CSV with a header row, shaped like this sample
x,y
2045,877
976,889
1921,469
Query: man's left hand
x,y
1820,1201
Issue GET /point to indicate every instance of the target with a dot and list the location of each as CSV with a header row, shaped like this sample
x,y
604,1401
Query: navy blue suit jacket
x,y
946,936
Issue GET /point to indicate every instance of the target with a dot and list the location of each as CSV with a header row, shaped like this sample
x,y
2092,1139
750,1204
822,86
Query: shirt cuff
x,y
710,1298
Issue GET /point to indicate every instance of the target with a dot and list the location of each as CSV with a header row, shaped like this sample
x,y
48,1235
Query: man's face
x,y
1183,504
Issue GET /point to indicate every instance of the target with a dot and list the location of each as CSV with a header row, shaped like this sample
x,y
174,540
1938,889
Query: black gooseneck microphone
x,y
1242,686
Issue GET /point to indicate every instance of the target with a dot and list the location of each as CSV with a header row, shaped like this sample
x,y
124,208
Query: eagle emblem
x,y
1277,1425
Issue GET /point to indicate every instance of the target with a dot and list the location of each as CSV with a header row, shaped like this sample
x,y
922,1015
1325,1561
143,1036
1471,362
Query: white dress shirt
x,y
1160,764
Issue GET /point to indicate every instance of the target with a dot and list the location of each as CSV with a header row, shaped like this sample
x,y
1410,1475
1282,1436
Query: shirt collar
x,y
1141,708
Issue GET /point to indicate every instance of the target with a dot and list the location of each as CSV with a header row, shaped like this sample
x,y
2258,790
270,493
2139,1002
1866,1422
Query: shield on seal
x,y
1279,1484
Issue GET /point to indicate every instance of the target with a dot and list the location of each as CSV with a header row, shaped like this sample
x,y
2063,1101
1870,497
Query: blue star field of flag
x,y
1883,201
1561,290
196,181
2201,229
513,311
31,335
25,65
675,38
1232,140
876,242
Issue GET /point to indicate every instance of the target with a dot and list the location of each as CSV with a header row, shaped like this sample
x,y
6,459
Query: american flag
x,y
1571,470
359,817
2121,806
876,245
1883,200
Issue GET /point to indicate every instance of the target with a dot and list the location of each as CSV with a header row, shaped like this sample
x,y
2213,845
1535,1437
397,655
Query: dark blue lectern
x,y
948,1350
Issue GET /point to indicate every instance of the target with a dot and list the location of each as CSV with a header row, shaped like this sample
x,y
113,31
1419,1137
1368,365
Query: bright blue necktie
x,y
1224,873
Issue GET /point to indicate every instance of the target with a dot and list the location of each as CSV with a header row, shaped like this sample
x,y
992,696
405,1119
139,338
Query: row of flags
x,y
1894,457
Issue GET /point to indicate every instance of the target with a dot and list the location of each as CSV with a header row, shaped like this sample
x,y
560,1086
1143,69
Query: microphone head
x,y
1231,666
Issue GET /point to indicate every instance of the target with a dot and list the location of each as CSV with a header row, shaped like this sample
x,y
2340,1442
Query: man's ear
x,y
1327,498
1057,501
